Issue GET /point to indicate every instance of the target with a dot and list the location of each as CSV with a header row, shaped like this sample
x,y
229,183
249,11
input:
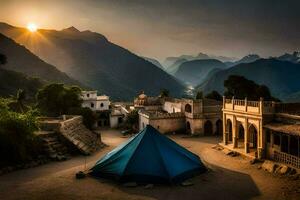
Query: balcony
x,y
254,107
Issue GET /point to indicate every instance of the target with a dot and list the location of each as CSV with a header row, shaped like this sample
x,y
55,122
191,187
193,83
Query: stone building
x,y
262,129
168,115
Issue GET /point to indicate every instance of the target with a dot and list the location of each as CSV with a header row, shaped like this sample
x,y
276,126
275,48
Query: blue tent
x,y
149,157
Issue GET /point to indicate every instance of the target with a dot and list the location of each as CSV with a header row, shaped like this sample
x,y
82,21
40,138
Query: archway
x,y
208,128
252,137
219,127
241,135
188,127
188,108
229,130
120,120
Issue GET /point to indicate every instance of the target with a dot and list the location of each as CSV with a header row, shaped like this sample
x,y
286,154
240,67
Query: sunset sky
x,y
169,28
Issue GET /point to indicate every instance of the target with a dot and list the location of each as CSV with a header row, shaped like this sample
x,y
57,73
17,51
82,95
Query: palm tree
x,y
21,96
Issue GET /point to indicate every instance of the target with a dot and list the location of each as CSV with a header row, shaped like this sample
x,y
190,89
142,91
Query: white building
x,y
94,102
108,114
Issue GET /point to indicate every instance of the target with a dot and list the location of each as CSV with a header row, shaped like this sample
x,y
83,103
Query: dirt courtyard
x,y
228,178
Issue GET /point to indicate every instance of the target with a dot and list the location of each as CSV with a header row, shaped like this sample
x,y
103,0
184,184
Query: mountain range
x,y
22,60
194,72
154,62
93,60
282,77
246,59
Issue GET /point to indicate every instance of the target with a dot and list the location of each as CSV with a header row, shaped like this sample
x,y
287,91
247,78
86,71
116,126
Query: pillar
x,y
289,144
225,133
298,146
234,133
246,105
246,136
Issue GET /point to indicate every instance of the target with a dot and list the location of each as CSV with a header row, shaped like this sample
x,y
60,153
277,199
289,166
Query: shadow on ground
x,y
220,183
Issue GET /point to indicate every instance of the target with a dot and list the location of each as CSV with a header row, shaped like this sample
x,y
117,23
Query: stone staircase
x,y
55,149
68,133
85,140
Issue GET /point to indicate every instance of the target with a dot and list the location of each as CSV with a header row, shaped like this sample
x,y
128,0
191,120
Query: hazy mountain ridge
x,y
154,62
246,59
22,60
195,72
293,57
282,77
92,59
201,56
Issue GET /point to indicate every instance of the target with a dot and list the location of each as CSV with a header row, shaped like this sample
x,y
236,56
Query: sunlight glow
x,y
32,27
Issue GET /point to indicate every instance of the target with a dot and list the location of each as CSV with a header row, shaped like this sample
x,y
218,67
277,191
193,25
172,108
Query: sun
x,y
32,27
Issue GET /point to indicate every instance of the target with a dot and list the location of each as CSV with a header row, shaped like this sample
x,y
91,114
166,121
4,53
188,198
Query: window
x,y
157,127
188,108
276,139
268,136
92,105
88,95
101,105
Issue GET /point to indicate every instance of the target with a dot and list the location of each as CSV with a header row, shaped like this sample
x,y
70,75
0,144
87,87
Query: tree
x,y
89,117
132,120
199,95
164,93
240,88
3,59
214,95
17,104
57,99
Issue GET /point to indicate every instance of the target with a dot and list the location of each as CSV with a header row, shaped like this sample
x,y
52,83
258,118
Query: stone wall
x,y
168,125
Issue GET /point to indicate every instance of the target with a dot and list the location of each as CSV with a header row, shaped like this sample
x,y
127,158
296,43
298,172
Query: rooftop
x,y
291,129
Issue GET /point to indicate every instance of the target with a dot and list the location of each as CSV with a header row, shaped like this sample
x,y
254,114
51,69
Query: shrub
x,y
17,141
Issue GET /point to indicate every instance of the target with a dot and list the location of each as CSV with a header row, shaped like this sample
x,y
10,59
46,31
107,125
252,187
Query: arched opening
x,y
101,105
252,138
120,120
240,135
208,128
229,130
188,127
92,105
188,108
219,127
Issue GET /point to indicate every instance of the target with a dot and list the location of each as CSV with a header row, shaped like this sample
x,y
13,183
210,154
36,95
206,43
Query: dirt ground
x,y
228,178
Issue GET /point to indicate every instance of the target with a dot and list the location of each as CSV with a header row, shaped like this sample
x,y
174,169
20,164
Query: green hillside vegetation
x,y
18,144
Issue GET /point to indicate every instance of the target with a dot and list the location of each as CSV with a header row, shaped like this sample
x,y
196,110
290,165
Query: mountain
x,y
11,82
246,59
282,77
194,72
93,60
172,69
22,60
169,61
293,57
154,62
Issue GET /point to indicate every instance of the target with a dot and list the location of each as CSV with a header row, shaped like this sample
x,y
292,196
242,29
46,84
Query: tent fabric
x,y
149,157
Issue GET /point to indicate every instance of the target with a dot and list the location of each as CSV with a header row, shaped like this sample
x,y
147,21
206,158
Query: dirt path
x,y
228,178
